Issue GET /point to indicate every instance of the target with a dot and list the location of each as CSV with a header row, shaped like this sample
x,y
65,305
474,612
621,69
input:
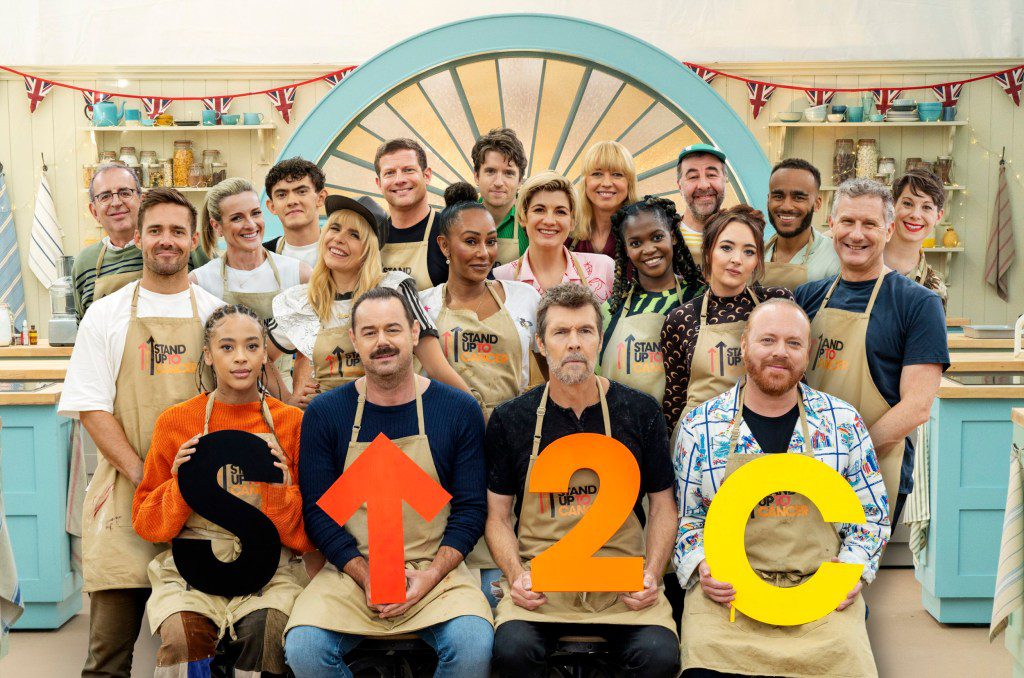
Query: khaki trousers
x,y
115,617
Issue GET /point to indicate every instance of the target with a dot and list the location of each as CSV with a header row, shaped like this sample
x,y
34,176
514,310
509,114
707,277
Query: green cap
x,y
700,148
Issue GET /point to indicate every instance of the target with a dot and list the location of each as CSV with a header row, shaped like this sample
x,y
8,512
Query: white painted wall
x,y
205,32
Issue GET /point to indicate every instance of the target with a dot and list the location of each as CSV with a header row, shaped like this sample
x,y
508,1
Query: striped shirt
x,y
694,241
839,439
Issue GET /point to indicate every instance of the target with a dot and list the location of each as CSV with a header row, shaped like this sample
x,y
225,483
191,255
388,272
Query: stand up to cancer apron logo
x,y
340,362
828,354
469,347
576,502
158,358
639,357
720,356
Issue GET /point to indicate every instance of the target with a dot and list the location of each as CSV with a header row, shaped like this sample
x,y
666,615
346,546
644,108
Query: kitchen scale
x,y
63,326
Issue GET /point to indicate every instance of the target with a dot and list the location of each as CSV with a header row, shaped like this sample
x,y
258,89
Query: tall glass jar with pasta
x,y
183,160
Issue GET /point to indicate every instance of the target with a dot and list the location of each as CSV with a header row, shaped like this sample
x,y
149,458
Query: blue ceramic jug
x,y
106,114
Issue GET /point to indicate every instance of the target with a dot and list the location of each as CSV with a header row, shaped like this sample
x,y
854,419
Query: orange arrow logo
x,y
383,477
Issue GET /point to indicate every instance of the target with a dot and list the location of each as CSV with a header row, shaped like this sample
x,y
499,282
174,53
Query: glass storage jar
x,y
166,172
184,158
195,176
944,168
128,155
844,161
108,156
88,172
220,172
867,158
887,170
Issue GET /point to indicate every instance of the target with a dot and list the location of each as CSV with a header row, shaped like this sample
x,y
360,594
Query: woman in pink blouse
x,y
547,209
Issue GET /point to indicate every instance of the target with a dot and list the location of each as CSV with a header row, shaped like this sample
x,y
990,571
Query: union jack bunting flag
x,y
885,97
93,98
820,97
36,89
283,100
155,106
1011,82
338,76
760,93
703,73
218,104
948,94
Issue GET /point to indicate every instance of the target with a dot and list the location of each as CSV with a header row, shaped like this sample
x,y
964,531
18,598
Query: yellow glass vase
x,y
950,238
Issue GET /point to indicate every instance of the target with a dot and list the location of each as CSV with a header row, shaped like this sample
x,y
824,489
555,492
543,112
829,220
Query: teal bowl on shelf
x,y
855,114
928,115
876,117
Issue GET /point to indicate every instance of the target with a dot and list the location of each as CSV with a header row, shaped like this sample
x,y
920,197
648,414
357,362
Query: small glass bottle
x,y
33,336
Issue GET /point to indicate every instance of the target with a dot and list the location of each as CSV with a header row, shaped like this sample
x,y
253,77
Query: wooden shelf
x,y
180,128
908,123
942,250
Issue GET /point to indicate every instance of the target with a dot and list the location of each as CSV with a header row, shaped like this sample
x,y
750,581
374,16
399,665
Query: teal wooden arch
x,y
608,50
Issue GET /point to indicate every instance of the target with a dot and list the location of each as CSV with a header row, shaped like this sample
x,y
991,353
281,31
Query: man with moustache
x,y
879,338
637,625
440,429
786,539
118,396
796,254
700,174
411,231
108,265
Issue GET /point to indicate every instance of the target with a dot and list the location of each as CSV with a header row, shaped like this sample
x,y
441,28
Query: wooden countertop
x,y
49,369
1017,416
37,351
950,389
957,322
960,341
47,396
995,361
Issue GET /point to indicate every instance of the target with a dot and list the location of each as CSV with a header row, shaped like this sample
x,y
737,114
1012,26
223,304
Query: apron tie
x,y
227,623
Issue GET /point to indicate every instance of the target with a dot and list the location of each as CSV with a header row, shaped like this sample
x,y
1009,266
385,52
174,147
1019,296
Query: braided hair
x,y
214,321
626,277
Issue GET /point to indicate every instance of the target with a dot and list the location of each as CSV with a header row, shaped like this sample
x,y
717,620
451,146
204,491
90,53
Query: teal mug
x,y
253,118
210,118
229,119
855,114
132,116
147,122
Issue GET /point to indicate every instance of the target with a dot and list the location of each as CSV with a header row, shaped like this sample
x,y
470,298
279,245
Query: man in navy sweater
x,y
441,430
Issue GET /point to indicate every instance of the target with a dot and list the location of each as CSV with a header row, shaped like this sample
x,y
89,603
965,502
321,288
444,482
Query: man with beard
x,y
637,625
438,428
796,254
786,539
118,394
700,173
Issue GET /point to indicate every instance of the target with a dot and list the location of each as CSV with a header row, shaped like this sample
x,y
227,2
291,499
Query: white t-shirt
x,y
306,253
295,324
521,300
99,346
259,279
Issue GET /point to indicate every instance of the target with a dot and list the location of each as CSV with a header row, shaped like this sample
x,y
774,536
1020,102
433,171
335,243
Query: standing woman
x,y
314,319
609,183
547,208
920,197
654,274
210,633
701,338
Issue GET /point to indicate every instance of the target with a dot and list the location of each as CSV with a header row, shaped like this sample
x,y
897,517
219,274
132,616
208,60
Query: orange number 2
x,y
570,564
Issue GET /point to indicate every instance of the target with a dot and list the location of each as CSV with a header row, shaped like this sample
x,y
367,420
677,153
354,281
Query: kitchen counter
x,y
957,322
49,395
951,389
37,351
957,341
42,369
984,361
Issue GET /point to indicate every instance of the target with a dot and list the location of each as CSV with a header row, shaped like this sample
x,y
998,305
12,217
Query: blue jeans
x,y
463,647
488,576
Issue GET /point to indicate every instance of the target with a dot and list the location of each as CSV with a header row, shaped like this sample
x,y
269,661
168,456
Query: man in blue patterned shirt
x,y
786,538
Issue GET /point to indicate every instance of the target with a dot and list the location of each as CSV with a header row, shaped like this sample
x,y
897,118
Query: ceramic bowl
x,y
929,116
876,117
839,109
835,117
904,102
790,116
815,113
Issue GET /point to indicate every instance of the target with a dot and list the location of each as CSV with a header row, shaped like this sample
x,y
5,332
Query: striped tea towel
x,y
76,496
1009,594
918,514
46,247
1001,250
12,289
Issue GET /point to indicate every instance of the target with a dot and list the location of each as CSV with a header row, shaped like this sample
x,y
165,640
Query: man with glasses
x,y
878,339
108,265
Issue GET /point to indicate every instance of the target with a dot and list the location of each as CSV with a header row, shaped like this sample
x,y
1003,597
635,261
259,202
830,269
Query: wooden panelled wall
x,y
55,132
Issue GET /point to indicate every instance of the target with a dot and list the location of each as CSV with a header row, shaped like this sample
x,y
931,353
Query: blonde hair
x,y
611,156
322,290
545,181
211,210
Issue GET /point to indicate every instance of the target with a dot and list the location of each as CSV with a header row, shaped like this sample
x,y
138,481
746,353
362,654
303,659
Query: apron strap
x,y
135,301
426,231
772,241
522,262
494,295
191,297
828,295
224,270
579,270
361,402
734,427
874,293
280,245
264,410
542,409
103,250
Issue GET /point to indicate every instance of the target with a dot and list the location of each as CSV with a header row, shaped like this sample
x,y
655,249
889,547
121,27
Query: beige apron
x,y
575,263
170,349
788,275
492,375
541,524
335,360
334,601
717,362
171,594
641,364
508,248
839,367
111,283
410,257
785,551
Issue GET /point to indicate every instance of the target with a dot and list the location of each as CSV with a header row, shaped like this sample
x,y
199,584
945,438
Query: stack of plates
x,y
901,116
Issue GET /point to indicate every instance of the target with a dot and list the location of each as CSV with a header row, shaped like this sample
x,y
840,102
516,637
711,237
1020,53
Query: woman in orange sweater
x,y
193,624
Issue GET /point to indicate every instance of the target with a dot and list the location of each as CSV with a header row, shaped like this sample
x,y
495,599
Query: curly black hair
x,y
626,276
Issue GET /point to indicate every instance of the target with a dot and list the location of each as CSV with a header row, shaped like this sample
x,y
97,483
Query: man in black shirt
x,y
411,231
637,625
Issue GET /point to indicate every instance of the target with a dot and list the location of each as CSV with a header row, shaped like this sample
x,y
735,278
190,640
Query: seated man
x,y
638,625
771,412
441,429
